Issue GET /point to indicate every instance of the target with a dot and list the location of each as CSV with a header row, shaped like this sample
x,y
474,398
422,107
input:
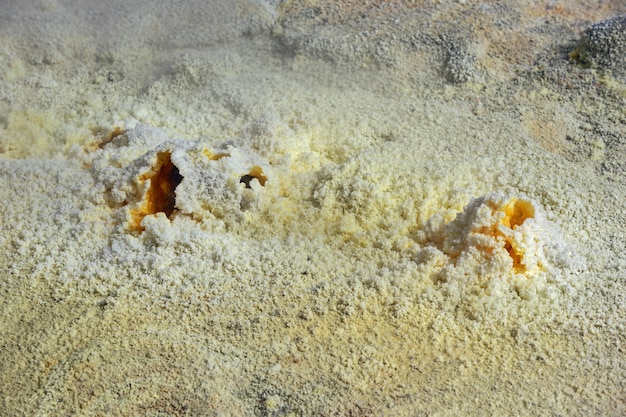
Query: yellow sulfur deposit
x,y
516,212
509,233
511,216
215,156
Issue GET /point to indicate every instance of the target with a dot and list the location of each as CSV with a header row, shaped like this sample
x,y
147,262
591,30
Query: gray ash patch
x,y
603,45
459,64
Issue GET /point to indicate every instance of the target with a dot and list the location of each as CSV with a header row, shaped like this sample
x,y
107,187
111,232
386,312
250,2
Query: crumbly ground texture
x,y
312,207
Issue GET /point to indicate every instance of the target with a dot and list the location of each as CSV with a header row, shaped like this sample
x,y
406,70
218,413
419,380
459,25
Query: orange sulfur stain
x,y
161,196
255,172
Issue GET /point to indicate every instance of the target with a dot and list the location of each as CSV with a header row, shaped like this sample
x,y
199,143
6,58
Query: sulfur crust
x,y
266,208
